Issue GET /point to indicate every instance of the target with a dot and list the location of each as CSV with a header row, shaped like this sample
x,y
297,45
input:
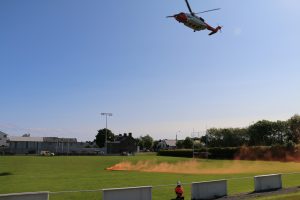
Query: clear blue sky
x,y
63,62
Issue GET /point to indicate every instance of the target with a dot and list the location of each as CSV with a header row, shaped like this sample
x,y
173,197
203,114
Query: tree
x,y
100,137
156,145
280,133
148,141
294,125
145,142
139,142
226,137
179,144
269,133
260,133
188,143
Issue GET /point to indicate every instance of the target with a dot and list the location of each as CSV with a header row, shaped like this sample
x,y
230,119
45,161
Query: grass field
x,y
36,173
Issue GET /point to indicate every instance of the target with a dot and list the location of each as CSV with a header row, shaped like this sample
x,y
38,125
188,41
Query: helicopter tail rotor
x,y
220,28
214,30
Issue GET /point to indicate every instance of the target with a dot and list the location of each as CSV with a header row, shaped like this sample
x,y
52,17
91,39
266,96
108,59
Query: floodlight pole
x,y
106,114
177,133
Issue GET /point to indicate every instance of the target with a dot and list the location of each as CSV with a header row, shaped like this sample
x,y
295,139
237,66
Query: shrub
x,y
277,152
187,153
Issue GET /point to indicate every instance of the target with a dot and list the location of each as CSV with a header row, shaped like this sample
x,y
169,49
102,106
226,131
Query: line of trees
x,y
261,133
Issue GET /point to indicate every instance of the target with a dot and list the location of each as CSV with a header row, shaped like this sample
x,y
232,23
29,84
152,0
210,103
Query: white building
x,y
3,139
167,144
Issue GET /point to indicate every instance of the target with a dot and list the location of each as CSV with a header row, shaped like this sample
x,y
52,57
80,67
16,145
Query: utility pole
x,y
106,114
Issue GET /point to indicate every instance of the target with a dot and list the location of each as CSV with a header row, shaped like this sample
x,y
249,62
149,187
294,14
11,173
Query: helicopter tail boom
x,y
213,30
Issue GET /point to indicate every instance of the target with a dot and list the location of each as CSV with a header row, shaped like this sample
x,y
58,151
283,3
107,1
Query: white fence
x,y
132,193
267,182
25,196
209,189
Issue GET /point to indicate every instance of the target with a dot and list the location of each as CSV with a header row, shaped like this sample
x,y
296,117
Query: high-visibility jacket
x,y
179,191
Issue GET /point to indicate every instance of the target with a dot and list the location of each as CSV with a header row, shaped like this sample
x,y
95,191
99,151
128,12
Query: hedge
x,y
280,153
187,153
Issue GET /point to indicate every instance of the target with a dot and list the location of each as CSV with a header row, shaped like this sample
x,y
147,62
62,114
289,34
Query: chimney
x,y
130,134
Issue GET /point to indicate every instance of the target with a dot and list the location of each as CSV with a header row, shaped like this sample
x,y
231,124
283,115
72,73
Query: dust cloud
x,y
186,167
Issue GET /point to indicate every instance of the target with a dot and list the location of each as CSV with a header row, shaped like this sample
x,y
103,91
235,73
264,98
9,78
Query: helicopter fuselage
x,y
192,21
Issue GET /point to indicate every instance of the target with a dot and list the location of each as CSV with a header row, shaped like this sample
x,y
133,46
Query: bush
x,y
187,153
223,153
277,152
212,153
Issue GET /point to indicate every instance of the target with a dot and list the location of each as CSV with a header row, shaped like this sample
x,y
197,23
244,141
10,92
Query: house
x,y
167,144
3,140
123,144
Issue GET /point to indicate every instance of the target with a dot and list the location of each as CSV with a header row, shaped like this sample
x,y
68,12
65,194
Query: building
x,y
123,144
35,145
3,140
24,145
167,144
61,145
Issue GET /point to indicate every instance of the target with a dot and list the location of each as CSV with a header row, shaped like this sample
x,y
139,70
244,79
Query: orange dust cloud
x,y
187,167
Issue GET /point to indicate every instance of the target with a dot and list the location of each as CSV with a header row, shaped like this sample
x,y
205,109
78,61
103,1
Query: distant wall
x,y
24,147
133,193
74,148
25,196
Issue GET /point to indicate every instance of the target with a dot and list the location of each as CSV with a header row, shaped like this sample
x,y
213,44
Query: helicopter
x,y
195,22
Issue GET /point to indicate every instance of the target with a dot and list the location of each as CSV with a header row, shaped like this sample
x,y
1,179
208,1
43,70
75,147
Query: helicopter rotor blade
x,y
208,10
189,7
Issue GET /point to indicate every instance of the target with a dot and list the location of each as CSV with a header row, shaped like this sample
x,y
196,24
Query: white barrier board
x,y
209,189
25,196
132,193
267,182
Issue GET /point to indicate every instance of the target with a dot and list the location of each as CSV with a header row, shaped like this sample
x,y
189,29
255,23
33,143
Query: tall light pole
x,y
176,138
106,114
177,133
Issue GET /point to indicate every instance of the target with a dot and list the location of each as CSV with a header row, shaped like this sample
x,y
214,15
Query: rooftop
x,y
1,133
25,139
171,143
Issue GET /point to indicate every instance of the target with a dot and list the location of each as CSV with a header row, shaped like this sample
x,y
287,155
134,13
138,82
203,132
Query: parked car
x,y
46,153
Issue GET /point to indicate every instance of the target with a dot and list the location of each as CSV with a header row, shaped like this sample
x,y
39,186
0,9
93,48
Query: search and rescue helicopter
x,y
195,22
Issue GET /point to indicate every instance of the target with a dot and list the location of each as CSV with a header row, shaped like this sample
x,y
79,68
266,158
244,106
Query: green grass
x,y
36,173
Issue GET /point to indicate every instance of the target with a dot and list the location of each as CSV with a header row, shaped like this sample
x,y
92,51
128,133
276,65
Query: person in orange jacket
x,y
179,191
